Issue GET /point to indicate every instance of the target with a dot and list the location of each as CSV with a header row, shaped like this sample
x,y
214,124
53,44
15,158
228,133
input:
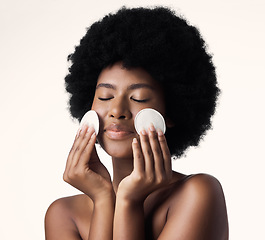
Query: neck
x,y
121,169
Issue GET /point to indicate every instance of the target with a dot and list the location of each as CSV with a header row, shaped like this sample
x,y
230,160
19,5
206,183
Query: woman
x,y
135,59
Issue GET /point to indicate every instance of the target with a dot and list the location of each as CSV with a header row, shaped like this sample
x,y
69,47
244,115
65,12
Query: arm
x,y
129,220
102,219
152,170
58,222
197,212
85,172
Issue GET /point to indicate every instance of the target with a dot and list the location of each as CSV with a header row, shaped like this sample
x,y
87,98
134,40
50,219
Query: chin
x,y
121,155
118,149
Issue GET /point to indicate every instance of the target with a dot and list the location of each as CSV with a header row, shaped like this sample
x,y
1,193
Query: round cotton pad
x,y
91,119
145,117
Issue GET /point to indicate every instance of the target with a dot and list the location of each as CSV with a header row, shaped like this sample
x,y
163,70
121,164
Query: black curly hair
x,y
169,49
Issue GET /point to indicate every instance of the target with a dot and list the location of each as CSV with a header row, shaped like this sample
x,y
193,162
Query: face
x,y
120,94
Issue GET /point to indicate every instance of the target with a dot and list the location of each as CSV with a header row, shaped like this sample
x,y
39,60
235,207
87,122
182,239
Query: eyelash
x,y
105,99
140,101
136,100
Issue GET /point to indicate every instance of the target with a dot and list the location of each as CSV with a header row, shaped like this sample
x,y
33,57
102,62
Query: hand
x,y
84,170
152,167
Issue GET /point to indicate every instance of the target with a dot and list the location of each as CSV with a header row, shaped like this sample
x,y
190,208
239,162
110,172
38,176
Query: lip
x,y
118,131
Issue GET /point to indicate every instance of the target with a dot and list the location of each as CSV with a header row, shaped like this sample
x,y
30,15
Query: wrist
x,y
104,197
104,201
131,200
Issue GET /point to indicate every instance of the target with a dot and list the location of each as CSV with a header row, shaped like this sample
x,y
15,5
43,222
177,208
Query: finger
x,y
89,149
72,150
157,152
81,144
138,160
147,154
78,138
165,152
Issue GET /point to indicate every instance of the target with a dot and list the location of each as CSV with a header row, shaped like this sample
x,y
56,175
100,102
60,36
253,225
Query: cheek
x,y
99,108
101,119
101,111
159,105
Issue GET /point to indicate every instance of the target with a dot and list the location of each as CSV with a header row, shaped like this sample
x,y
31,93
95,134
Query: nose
x,y
119,109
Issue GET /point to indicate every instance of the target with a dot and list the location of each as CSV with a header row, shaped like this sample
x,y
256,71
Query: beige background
x,y
36,131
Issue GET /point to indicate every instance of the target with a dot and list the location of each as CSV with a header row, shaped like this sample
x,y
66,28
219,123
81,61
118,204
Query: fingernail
x,y
143,132
87,128
134,140
159,132
78,131
152,128
83,128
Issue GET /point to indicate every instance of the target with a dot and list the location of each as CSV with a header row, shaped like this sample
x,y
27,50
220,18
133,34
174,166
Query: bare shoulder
x,y
65,217
202,186
198,207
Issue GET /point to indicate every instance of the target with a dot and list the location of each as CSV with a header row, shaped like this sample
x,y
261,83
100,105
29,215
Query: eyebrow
x,y
140,85
106,85
131,87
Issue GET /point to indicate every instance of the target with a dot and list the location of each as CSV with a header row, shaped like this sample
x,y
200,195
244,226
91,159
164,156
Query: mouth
x,y
118,132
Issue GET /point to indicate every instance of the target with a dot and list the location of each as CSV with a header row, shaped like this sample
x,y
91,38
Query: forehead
x,y
120,76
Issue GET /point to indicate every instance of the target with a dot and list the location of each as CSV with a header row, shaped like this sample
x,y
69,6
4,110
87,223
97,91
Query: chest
x,y
155,211
155,219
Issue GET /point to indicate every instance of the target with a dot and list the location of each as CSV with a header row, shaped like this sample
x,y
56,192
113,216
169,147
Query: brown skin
x,y
146,199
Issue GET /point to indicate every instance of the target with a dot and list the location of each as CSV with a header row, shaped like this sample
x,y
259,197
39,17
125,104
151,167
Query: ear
x,y
169,123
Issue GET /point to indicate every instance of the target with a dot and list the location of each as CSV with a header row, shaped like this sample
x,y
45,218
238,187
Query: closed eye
x,y
140,100
105,99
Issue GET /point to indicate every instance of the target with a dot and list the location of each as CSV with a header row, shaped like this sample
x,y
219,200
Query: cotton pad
x,y
91,119
145,117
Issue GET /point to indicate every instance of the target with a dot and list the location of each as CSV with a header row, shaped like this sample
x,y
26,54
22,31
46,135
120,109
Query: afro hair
x,y
169,49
